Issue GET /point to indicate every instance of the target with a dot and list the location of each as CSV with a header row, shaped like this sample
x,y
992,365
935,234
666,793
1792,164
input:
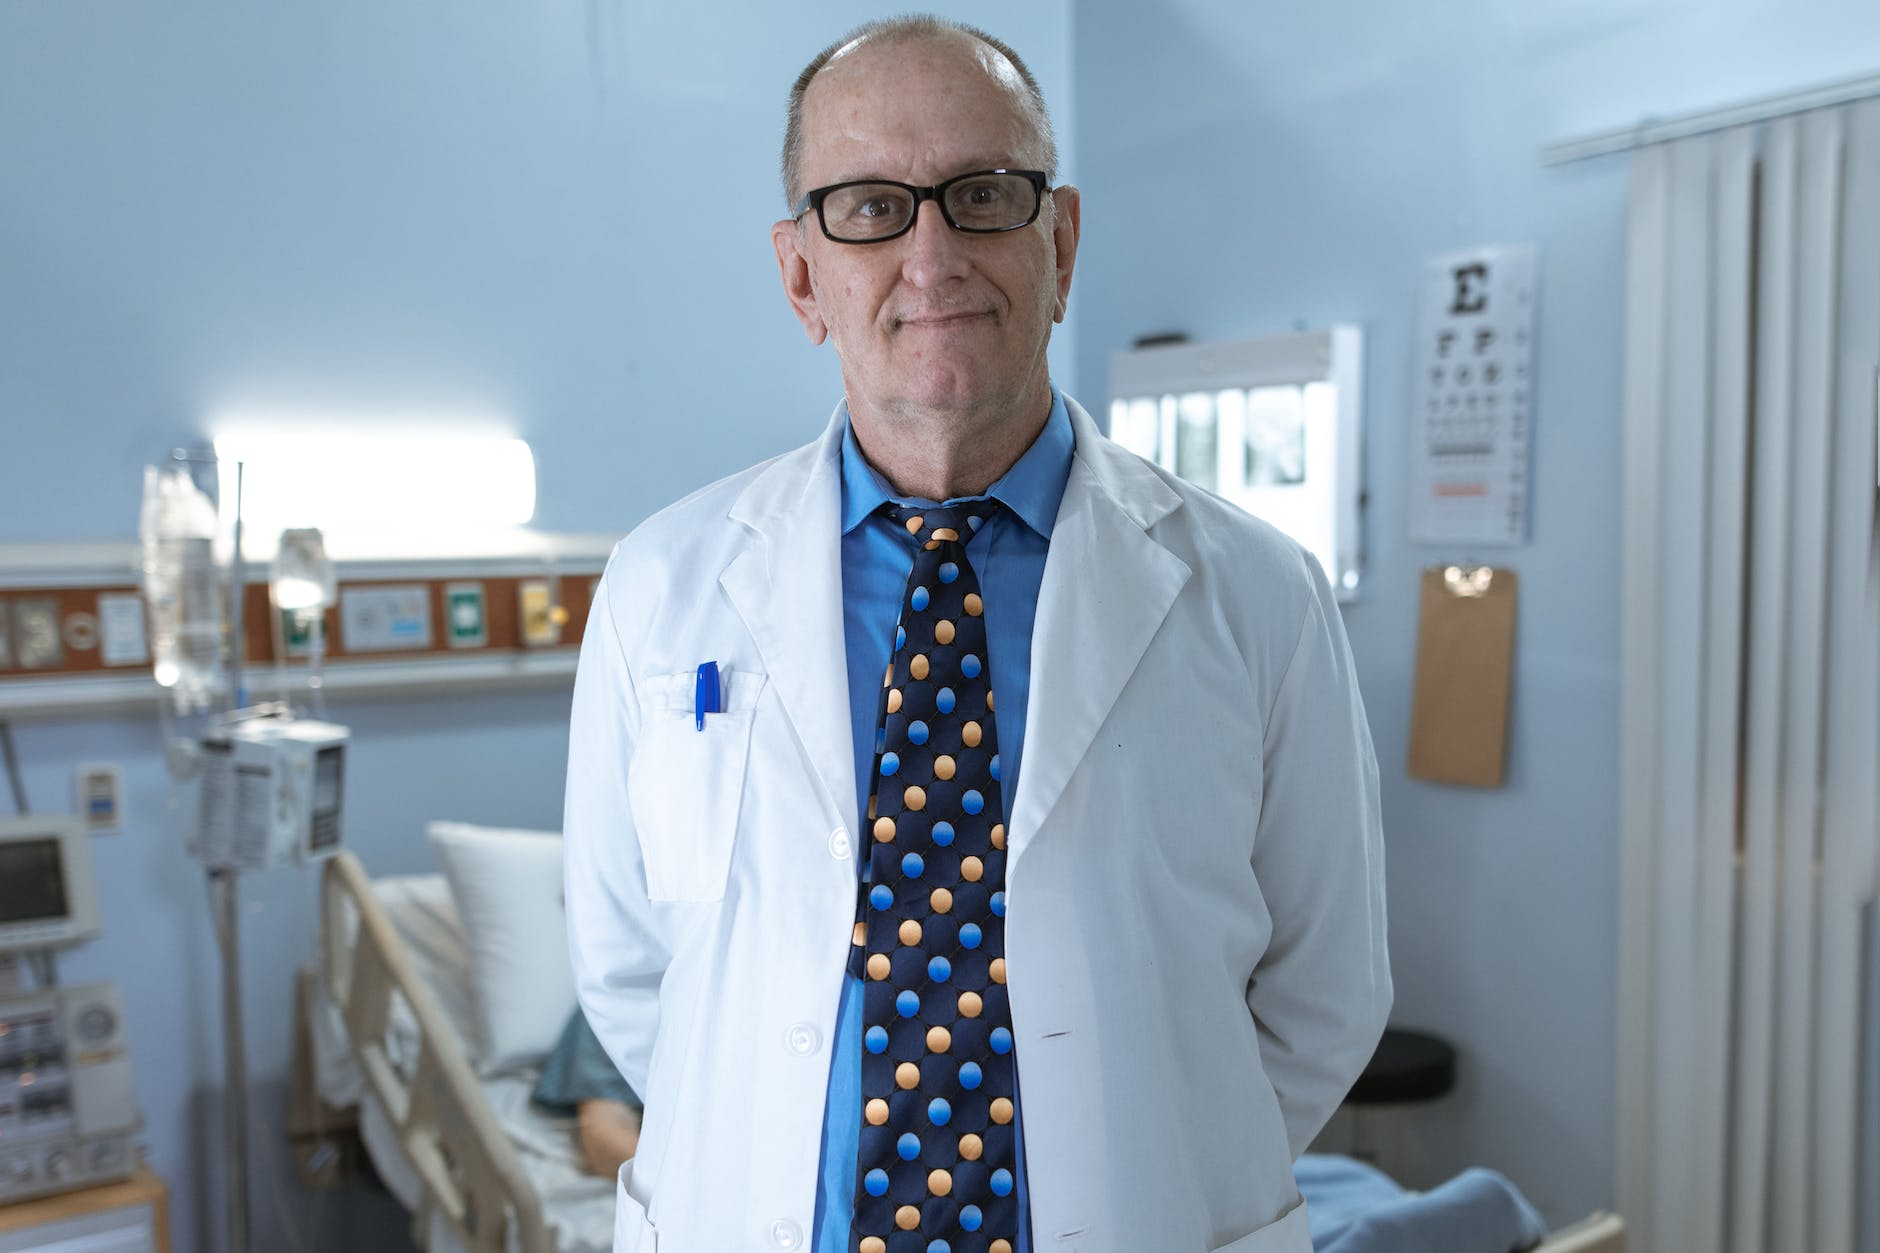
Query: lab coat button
x,y
803,1039
786,1234
839,847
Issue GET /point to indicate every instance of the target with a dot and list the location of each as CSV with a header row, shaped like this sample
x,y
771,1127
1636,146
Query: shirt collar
x,y
1032,488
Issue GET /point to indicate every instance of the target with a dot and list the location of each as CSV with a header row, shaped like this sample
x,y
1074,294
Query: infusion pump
x,y
67,1111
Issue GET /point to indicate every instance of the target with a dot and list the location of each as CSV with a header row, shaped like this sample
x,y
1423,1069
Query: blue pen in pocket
x,y
706,698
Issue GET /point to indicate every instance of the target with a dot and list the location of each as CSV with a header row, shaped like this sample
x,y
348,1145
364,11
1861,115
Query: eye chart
x,y
1473,400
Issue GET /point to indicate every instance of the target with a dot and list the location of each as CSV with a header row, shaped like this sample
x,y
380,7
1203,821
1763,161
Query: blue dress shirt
x,y
877,555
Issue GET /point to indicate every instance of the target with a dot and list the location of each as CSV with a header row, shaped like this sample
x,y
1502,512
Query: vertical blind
x,y
1750,841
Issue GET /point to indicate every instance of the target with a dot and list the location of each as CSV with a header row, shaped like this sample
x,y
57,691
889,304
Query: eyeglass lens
x,y
978,202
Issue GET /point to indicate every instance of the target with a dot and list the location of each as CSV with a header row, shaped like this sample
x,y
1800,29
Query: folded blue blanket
x,y
1355,1208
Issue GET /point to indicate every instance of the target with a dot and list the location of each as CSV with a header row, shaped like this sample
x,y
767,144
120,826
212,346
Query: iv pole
x,y
226,896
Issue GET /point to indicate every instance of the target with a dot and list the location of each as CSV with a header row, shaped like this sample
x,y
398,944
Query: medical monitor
x,y
47,897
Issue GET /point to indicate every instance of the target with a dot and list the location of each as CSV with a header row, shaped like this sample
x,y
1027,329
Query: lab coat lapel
x,y
787,587
1107,587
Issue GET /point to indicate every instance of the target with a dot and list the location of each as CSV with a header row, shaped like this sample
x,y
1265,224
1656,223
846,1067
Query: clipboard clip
x,y
1473,582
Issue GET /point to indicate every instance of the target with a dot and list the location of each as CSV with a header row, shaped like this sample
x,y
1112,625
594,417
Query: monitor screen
x,y
32,881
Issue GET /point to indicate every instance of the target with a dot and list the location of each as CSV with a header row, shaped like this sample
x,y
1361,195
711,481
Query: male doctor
x,y
972,830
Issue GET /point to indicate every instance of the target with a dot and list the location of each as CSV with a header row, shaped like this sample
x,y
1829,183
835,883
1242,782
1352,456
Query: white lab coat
x,y
1195,935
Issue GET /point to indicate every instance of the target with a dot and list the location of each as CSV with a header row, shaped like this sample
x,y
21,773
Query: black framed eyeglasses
x,y
875,210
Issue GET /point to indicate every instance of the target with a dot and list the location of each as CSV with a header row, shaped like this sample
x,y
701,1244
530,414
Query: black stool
x,y
1408,1067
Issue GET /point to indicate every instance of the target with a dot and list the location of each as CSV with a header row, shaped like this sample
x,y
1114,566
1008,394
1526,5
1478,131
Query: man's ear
x,y
1066,228
793,266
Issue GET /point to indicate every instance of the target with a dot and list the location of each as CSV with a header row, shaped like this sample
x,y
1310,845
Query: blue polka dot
x,y
890,762
998,904
969,666
943,700
969,935
949,571
939,1113
943,833
972,802
1001,1183
900,637
908,1003
912,865
970,1076
995,766
881,896
939,970
970,1218
1001,1037
908,1146
974,521
917,732
939,1246
877,1039
876,1181
919,599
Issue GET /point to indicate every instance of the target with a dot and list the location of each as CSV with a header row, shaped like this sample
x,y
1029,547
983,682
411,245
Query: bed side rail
x,y
472,1176
1597,1233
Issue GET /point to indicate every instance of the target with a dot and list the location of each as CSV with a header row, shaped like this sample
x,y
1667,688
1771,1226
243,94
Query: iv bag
x,y
181,587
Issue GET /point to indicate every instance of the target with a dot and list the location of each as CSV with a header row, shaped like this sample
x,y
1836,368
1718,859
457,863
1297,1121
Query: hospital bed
x,y
479,1167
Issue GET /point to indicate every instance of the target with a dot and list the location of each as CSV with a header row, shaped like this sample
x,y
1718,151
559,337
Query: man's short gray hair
x,y
909,26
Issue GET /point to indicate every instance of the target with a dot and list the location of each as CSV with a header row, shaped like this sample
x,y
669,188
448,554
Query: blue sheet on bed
x,y
1355,1208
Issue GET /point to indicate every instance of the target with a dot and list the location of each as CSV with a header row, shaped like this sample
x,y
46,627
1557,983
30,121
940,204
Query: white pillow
x,y
508,889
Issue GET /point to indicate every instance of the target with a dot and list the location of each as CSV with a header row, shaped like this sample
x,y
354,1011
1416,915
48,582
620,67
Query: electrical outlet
x,y
101,797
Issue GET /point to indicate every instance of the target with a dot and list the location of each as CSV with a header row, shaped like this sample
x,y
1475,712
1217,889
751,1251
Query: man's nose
x,y
935,251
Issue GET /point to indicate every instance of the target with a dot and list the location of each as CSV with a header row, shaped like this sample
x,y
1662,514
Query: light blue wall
x,y
553,217
1248,166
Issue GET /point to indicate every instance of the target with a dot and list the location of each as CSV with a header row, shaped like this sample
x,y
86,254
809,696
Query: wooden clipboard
x,y
1464,672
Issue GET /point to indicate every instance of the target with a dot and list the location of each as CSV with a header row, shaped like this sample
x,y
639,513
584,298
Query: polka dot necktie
x,y
939,1154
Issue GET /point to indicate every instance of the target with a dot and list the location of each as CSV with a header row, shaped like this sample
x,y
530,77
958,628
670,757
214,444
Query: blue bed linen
x,y
1355,1208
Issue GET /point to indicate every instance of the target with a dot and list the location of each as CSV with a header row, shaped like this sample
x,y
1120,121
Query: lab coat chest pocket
x,y
686,784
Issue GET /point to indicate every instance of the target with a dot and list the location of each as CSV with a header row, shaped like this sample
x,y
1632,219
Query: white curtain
x,y
1750,844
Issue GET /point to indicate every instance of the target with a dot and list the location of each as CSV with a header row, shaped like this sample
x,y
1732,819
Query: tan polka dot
x,y
861,933
940,1182
907,1076
970,734
939,1039
943,632
989,698
942,901
918,666
970,1004
894,701
877,1112
915,523
931,544
915,798
1001,1110
943,767
879,966
972,869
945,532
997,970
974,605
884,829
971,1147
907,1217
887,676
910,933
998,836
874,1244
999,1246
